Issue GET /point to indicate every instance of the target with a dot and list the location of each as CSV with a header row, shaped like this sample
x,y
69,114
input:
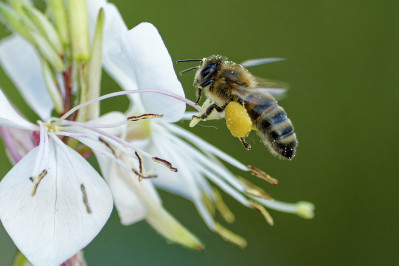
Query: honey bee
x,y
224,82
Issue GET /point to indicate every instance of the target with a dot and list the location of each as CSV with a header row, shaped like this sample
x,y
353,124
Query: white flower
x,y
53,203
138,59
103,141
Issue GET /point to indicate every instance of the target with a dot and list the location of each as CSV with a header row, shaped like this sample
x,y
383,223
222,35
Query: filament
x,y
120,93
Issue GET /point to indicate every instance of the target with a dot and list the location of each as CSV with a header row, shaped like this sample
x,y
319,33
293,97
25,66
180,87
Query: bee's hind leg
x,y
246,145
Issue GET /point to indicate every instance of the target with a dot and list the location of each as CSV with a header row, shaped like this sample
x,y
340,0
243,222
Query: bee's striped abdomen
x,y
272,123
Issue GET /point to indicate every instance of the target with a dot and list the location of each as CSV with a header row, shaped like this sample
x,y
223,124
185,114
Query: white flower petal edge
x,y
10,118
54,224
21,63
153,69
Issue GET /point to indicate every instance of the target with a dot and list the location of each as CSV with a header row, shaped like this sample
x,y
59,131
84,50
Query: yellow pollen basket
x,y
237,120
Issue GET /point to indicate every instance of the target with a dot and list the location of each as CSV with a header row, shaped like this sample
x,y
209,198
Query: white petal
x,y
10,118
184,182
21,62
129,206
153,69
168,180
54,224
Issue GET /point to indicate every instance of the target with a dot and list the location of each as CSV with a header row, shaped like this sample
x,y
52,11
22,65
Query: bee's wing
x,y
260,61
277,89
243,92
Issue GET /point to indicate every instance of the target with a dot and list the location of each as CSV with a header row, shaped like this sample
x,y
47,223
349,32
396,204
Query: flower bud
x,y
15,21
79,27
60,19
44,26
48,52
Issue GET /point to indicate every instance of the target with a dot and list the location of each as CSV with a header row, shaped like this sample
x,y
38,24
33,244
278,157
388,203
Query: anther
x,y
142,176
85,199
144,116
230,236
166,163
108,145
221,206
208,202
257,172
263,211
254,190
140,162
37,181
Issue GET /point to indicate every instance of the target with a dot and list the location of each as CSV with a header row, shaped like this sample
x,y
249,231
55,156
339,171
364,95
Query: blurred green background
x,y
343,73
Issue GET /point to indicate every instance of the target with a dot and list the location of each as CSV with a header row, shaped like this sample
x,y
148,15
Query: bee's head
x,y
206,70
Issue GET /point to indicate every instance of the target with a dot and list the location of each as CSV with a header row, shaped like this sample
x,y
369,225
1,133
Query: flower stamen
x,y
259,173
37,181
209,204
221,206
85,199
230,236
120,93
108,145
143,116
140,161
111,138
263,211
142,176
166,163
254,190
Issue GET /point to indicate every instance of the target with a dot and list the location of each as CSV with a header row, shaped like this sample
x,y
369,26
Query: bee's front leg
x,y
209,110
200,88
198,94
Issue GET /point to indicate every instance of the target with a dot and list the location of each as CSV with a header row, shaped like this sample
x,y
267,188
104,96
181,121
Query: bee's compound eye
x,y
209,69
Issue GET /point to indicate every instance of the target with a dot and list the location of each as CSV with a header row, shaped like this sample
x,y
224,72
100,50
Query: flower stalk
x,y
52,86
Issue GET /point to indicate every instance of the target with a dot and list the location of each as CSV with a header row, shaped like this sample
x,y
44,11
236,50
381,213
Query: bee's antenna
x,y
188,60
184,71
